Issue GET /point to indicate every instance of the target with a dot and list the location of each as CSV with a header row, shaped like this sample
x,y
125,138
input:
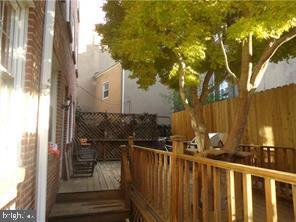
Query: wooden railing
x,y
272,157
125,182
180,187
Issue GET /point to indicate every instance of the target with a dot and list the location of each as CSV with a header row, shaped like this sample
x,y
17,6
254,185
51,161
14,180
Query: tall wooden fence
x,y
271,121
107,131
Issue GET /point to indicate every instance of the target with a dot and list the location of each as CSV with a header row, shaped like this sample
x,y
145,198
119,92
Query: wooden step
x,y
88,196
112,210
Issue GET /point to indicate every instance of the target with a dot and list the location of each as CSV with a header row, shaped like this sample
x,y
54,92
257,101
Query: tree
x,y
259,31
187,43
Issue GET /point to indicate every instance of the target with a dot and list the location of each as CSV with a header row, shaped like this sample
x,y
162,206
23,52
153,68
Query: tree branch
x,y
205,85
271,48
182,86
246,64
226,60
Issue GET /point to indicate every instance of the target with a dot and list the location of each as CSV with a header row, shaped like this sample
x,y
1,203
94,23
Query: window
x,y
6,34
105,90
13,37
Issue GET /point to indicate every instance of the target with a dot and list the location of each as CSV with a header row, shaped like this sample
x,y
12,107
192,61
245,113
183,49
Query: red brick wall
x,y
66,77
26,189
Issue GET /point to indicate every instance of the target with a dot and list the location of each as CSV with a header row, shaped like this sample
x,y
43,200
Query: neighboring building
x,y
109,77
117,93
89,55
276,75
87,66
109,90
36,106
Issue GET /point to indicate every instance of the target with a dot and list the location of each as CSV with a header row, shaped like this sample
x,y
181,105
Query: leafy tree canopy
x,y
150,38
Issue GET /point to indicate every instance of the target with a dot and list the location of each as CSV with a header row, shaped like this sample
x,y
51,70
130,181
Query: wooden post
x,y
195,190
217,195
294,200
130,141
178,148
205,192
125,176
231,195
248,197
270,199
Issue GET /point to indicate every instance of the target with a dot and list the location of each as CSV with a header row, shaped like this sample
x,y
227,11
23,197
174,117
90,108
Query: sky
x,y
91,13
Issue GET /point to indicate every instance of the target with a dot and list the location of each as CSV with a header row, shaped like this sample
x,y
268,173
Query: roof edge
x,y
98,74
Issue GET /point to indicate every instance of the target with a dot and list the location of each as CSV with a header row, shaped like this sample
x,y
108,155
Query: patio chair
x,y
84,160
83,152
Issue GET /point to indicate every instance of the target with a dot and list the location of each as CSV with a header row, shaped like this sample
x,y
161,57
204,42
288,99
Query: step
x,y
88,196
112,210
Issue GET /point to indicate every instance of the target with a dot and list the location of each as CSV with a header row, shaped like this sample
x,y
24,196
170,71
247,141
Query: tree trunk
x,y
204,139
245,94
240,122
196,114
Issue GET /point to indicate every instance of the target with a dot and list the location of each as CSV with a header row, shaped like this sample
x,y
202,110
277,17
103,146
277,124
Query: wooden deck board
x,y
106,177
284,208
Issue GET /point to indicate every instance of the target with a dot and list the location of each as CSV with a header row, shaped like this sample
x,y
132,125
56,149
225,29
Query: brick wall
x,y
66,78
26,190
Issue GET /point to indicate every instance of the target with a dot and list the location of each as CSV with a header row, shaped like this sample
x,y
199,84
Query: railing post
x,y
130,141
125,176
178,148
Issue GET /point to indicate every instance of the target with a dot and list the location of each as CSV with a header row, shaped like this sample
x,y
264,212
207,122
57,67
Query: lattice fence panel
x,y
112,151
110,130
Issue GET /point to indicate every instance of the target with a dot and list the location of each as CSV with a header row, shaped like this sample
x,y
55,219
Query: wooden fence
x,y
179,187
271,121
107,131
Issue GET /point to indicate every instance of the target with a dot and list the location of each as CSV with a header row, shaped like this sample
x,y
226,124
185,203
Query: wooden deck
x,y
106,177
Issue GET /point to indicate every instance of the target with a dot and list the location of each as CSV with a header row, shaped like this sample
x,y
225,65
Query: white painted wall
x,y
278,75
154,100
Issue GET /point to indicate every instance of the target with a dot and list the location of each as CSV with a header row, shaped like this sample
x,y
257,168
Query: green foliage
x,y
150,37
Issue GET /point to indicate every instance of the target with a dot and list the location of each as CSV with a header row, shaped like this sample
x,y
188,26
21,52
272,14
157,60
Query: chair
x,y
84,160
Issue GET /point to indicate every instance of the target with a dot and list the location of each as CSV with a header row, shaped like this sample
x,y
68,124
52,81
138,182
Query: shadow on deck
x,y
106,177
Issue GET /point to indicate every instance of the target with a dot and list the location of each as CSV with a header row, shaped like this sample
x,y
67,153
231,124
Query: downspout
x,y
122,91
43,111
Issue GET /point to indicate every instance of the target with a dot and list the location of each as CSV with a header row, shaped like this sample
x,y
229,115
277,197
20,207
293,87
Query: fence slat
x,y
160,182
294,200
195,195
248,197
155,179
205,192
217,194
165,185
181,189
270,198
186,191
231,195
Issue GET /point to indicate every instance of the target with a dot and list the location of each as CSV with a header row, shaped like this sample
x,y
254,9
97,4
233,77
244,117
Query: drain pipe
x,y
43,111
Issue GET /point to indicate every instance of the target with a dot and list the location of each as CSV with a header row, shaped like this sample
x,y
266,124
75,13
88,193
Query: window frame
x,y
105,90
13,75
